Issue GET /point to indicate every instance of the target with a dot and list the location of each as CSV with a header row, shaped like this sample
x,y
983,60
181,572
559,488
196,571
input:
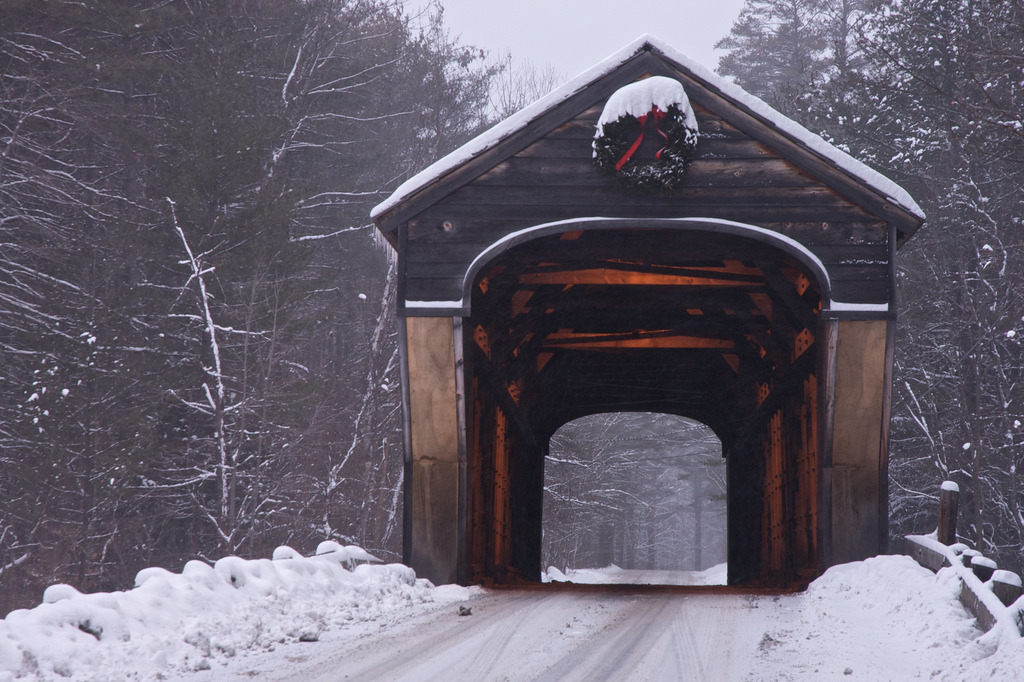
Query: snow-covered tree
x,y
946,71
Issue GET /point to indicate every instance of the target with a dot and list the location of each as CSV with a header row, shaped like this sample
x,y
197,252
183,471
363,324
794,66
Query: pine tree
x,y
776,51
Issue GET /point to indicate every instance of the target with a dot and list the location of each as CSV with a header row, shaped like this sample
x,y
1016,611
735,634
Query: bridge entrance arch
x,y
707,320
755,296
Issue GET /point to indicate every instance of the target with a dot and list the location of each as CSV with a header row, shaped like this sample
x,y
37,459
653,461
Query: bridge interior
x,y
715,327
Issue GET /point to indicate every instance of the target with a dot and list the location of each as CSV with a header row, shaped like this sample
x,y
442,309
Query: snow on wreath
x,y
647,135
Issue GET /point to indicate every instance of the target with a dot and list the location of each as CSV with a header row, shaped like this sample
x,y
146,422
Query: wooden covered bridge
x,y
752,291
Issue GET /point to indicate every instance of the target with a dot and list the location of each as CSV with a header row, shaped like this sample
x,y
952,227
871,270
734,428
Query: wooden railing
x,y
992,595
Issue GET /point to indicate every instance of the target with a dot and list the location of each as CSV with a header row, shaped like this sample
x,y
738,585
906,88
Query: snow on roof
x,y
491,137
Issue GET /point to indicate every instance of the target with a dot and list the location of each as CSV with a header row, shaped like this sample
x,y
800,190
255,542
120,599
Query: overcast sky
x,y
572,35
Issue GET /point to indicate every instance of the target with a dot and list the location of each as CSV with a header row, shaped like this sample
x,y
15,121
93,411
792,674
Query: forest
x,y
197,321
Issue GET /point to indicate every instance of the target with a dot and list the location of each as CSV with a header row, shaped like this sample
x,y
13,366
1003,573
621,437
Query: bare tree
x,y
196,322
520,83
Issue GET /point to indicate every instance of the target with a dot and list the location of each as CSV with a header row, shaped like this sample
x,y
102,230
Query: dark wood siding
x,y
734,177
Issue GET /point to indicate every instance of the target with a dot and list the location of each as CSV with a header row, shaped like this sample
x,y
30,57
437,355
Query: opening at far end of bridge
x,y
634,498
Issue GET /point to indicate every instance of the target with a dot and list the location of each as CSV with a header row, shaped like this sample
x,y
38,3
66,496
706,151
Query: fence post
x,y
1007,586
949,505
983,567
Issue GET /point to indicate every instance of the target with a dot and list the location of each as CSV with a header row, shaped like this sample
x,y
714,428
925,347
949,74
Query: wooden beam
x,y
715,324
494,381
626,277
635,302
729,270
638,339
790,301
697,384
779,389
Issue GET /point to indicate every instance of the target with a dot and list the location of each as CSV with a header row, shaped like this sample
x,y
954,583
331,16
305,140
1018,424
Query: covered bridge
x,y
722,264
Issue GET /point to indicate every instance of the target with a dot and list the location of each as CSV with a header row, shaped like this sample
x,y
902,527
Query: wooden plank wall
x,y
733,178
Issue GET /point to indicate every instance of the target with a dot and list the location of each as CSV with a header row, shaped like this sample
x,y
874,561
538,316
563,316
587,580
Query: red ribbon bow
x,y
656,114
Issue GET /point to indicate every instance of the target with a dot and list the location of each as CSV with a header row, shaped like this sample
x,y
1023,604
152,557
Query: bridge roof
x,y
422,184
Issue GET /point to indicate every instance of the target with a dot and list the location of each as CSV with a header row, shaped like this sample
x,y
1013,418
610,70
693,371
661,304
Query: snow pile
x,y
637,99
349,555
883,618
173,623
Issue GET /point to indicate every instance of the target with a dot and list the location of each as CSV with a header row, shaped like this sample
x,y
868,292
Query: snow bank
x,y
885,618
173,623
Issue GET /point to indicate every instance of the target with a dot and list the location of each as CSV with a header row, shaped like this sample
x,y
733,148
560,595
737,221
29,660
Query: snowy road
x,y
297,618
548,635
881,619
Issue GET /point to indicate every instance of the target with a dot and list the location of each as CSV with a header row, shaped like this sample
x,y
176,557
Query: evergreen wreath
x,y
615,147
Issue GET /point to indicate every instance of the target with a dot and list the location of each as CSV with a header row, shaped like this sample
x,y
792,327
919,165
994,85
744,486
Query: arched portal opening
x,y
634,498
717,325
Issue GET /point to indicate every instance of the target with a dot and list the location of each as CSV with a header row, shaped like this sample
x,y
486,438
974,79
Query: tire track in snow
x,y
660,637
520,646
615,653
494,641
433,652
710,638
390,653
